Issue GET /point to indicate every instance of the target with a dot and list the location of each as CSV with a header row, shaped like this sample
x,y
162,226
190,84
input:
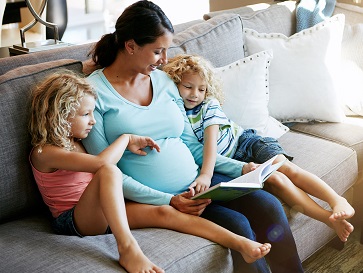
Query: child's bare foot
x,y
134,261
342,210
342,227
337,216
252,251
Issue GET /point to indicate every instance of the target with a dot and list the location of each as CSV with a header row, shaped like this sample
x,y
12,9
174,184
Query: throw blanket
x,y
312,12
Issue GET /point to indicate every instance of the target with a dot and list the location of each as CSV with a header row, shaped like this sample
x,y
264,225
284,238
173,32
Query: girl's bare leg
x,y
281,186
314,186
101,205
142,216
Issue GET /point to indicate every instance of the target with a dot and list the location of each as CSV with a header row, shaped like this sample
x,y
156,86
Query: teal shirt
x,y
156,177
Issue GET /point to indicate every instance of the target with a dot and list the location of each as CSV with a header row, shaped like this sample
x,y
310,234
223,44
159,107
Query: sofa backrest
x,y
219,39
265,18
76,52
18,191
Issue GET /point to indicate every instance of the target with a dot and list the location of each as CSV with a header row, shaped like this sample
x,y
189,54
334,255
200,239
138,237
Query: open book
x,y
241,185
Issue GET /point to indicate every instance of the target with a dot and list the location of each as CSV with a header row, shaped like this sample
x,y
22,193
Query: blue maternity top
x,y
156,177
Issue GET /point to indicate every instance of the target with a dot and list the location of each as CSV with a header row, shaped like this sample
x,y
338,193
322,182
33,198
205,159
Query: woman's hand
x,y
138,143
200,184
183,203
249,167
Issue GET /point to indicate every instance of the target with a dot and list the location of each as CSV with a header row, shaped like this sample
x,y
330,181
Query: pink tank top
x,y
61,190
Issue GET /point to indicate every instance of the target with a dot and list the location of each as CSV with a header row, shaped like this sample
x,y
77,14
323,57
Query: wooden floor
x,y
331,260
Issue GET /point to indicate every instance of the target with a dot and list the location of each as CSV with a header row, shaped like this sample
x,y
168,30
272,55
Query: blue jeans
x,y
258,216
258,149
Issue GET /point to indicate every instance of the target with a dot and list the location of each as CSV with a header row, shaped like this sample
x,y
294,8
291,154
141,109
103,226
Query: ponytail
x,y
105,51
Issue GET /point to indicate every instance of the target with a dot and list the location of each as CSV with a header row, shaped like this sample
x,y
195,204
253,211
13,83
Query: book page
x,y
241,185
260,174
225,193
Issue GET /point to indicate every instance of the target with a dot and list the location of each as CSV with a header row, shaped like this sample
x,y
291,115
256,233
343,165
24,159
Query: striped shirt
x,y
210,113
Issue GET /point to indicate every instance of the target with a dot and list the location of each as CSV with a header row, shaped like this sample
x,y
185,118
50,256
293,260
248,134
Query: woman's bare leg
x,y
101,205
281,186
142,216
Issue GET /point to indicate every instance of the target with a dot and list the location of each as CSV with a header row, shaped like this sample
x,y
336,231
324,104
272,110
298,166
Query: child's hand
x,y
200,184
249,167
138,143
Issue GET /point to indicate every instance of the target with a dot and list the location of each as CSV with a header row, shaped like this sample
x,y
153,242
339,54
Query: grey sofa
x,y
333,151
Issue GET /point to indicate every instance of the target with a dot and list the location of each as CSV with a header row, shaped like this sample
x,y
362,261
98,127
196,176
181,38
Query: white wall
x,y
102,15
178,11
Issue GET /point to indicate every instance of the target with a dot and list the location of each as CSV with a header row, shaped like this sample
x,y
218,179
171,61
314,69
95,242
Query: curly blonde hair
x,y
180,64
53,102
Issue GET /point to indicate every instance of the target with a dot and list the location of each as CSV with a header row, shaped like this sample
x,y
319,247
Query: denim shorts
x,y
258,149
64,224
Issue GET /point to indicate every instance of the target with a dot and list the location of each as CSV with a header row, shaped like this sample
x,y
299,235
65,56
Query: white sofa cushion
x,y
351,85
303,73
246,87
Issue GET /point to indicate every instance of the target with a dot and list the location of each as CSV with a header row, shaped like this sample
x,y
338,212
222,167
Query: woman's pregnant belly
x,y
171,170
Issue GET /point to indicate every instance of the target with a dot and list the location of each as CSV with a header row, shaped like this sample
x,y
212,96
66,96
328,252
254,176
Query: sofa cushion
x,y
348,133
304,71
283,14
245,85
351,88
212,39
17,190
29,245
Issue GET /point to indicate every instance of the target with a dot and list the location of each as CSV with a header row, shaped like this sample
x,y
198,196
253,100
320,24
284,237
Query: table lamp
x,y
24,47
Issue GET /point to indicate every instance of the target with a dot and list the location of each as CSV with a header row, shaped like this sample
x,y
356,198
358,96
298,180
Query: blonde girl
x,y
84,192
202,95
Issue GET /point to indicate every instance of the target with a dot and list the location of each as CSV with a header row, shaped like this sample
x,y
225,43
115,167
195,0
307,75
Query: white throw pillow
x,y
351,85
246,87
351,88
303,73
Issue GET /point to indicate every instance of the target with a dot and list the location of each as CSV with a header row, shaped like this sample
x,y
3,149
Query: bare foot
x,y
342,210
342,227
252,251
134,261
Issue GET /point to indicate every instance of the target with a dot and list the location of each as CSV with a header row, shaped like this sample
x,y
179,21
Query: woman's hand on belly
x,y
183,203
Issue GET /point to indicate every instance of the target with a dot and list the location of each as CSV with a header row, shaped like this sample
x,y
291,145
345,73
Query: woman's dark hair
x,y
142,21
